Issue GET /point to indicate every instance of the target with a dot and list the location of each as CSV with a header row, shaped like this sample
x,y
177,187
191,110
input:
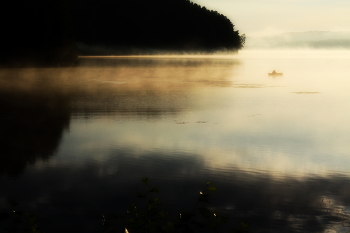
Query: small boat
x,y
274,73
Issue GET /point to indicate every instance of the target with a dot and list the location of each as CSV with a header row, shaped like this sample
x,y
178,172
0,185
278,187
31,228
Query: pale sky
x,y
266,17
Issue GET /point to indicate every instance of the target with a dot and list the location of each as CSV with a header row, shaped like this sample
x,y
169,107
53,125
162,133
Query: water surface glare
x,y
77,141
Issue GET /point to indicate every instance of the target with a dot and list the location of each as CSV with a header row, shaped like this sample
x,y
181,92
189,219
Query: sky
x,y
268,17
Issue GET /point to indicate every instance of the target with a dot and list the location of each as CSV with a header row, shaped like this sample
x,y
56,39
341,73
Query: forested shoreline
x,y
55,33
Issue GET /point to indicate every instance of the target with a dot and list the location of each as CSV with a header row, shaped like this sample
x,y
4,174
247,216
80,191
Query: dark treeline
x,y
153,24
56,32
37,32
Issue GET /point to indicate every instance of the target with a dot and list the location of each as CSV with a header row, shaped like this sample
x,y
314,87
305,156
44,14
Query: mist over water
x,y
77,141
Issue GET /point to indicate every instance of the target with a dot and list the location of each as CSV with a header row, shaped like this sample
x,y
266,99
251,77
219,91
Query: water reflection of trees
x,y
36,105
31,125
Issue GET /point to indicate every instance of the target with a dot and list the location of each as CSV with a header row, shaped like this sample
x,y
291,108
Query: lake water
x,y
76,142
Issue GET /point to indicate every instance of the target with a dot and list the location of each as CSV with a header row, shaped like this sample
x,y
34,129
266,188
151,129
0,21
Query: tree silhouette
x,y
38,32
153,24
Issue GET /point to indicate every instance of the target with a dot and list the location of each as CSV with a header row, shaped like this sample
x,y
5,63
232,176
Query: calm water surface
x,y
75,142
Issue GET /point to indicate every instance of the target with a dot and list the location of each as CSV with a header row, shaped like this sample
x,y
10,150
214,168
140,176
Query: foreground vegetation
x,y
145,217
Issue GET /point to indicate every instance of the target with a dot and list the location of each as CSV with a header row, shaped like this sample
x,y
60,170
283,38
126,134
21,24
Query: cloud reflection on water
x,y
287,205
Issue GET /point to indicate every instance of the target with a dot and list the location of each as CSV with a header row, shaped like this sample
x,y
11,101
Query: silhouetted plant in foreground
x,y
149,217
145,217
17,221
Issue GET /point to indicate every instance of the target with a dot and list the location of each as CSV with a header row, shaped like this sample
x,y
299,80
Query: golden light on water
x,y
224,109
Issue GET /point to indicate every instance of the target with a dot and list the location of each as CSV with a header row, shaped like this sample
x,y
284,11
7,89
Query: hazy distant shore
x,y
301,40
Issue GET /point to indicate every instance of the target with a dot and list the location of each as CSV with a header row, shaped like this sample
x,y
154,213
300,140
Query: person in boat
x,y
274,72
